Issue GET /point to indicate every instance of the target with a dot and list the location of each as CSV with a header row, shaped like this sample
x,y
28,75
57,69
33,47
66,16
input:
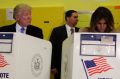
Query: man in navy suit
x,y
22,15
58,35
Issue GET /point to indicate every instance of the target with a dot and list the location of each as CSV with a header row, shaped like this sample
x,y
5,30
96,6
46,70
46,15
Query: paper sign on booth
x,y
98,44
6,43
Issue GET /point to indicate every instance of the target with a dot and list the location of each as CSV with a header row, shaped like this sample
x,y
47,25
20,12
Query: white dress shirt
x,y
68,28
18,28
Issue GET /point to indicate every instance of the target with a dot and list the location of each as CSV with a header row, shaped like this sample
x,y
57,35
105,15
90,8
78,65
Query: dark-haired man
x,y
58,35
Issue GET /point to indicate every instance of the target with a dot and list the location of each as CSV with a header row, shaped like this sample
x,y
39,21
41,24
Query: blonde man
x,y
22,15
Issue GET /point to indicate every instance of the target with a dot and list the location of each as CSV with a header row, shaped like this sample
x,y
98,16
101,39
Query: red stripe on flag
x,y
3,62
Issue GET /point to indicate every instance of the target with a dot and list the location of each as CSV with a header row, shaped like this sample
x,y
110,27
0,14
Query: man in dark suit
x,y
22,15
58,35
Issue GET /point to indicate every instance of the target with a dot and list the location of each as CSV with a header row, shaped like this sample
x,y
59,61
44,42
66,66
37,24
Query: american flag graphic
x,y
3,62
97,65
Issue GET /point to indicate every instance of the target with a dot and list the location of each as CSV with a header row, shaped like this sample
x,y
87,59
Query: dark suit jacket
x,y
31,30
59,34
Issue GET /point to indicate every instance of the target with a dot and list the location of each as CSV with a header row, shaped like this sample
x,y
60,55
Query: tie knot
x,y
72,30
22,29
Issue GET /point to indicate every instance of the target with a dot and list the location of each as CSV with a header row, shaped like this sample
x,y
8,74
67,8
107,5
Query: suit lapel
x,y
29,30
65,31
13,28
76,29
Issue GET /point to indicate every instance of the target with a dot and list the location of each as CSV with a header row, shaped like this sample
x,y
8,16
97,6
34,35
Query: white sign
x,y
9,14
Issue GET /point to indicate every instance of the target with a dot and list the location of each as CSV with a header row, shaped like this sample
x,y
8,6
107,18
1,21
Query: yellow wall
x,y
116,15
3,20
67,4
47,18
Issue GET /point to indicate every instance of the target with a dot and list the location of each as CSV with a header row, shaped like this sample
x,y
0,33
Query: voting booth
x,y
91,56
24,57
